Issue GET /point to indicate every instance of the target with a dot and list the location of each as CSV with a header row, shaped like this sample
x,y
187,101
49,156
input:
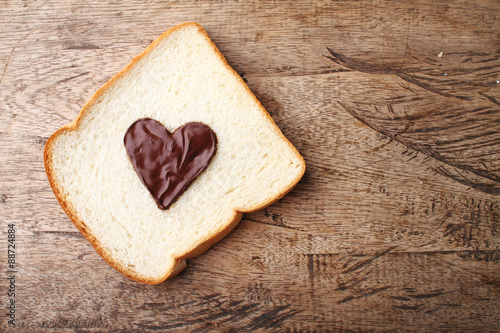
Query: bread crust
x,y
209,240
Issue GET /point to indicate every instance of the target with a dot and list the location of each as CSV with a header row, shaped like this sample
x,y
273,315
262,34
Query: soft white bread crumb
x,y
180,78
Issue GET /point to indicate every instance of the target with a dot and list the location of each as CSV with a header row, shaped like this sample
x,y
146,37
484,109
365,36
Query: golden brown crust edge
x,y
210,240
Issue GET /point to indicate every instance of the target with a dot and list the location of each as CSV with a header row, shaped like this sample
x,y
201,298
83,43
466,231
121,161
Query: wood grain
x,y
395,225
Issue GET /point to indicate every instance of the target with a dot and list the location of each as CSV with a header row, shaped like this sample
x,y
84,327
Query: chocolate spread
x,y
168,163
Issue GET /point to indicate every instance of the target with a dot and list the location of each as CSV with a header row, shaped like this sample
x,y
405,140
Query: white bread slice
x,y
181,77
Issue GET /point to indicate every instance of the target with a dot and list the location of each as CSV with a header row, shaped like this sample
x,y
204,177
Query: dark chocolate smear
x,y
168,163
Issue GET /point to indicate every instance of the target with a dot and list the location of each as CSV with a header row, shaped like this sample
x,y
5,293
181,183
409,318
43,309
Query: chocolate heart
x,y
168,163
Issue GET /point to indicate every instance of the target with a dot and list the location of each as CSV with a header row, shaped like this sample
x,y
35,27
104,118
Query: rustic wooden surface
x,y
395,225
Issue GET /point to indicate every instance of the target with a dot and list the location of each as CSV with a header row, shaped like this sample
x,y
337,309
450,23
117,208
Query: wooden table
x,y
395,225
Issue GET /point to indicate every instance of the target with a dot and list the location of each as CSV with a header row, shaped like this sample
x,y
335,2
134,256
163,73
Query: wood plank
x,y
395,225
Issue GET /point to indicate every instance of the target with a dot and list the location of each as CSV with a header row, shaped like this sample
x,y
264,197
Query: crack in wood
x,y
412,79
9,58
272,224
72,77
408,307
363,293
493,188
490,98
368,68
60,322
433,294
478,255
367,262
57,232
269,319
488,181
229,310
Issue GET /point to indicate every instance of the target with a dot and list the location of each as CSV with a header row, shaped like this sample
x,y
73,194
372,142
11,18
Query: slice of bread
x,y
180,78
